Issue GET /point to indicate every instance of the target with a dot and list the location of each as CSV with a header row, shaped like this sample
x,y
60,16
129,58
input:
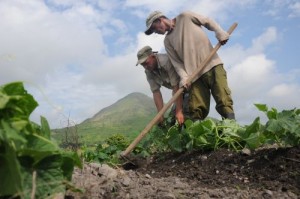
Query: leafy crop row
x,y
31,164
282,128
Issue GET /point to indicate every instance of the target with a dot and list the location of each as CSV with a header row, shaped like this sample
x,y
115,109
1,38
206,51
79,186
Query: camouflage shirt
x,y
165,74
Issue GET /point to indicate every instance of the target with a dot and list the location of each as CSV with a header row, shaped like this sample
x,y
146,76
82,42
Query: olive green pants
x,y
213,82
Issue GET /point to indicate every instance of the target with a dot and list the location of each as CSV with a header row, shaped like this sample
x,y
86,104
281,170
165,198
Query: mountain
x,y
128,116
132,106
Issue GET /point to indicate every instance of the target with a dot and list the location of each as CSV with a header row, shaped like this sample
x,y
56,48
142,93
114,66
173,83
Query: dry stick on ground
x,y
294,160
33,185
175,96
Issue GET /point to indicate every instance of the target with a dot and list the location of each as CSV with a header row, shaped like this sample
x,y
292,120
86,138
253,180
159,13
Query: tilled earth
x,y
264,173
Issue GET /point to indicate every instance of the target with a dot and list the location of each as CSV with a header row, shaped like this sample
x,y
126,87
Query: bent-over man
x,y
160,72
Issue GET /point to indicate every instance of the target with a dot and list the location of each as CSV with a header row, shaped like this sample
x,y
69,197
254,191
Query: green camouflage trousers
x,y
213,82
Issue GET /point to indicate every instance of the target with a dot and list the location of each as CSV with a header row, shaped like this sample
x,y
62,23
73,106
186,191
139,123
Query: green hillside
x,y
128,116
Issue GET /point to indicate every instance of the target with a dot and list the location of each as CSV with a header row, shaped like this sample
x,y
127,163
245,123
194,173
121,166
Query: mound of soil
x,y
264,173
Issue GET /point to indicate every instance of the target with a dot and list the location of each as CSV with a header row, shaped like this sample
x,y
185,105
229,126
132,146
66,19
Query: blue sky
x,y
78,56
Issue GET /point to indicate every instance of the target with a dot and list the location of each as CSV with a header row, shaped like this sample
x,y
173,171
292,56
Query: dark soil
x,y
264,173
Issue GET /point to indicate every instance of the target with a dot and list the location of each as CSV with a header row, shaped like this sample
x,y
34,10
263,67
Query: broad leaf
x,y
47,176
10,173
45,128
261,107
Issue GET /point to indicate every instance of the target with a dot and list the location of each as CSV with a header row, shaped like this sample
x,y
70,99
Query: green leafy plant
x,y
107,151
282,128
31,164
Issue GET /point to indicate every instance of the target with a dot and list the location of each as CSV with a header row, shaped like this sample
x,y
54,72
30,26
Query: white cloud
x,y
276,8
283,90
70,97
236,53
62,3
218,9
213,8
51,49
109,5
42,41
286,95
268,37
253,72
151,5
63,47
295,8
155,41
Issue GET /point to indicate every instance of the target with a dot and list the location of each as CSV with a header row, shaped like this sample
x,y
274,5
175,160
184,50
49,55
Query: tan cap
x,y
143,54
150,19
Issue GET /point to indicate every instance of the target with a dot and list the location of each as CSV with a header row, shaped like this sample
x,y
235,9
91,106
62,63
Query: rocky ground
x,y
264,173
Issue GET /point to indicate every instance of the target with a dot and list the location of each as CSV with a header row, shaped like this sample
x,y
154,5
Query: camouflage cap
x,y
143,54
150,19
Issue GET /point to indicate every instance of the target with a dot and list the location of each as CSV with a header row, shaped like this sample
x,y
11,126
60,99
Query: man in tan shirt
x,y
188,46
160,72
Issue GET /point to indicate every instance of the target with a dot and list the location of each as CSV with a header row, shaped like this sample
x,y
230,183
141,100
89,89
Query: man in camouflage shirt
x,y
160,72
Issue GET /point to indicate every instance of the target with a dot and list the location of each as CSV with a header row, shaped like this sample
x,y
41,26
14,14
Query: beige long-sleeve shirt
x,y
165,75
188,45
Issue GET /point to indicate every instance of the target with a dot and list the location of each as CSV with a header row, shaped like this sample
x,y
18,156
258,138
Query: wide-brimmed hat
x,y
143,54
150,19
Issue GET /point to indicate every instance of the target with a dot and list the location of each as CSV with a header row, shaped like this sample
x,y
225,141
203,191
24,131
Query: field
x,y
201,159
205,159
265,173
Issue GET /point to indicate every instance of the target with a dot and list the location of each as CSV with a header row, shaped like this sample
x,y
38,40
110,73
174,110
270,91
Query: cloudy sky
x,y
78,56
